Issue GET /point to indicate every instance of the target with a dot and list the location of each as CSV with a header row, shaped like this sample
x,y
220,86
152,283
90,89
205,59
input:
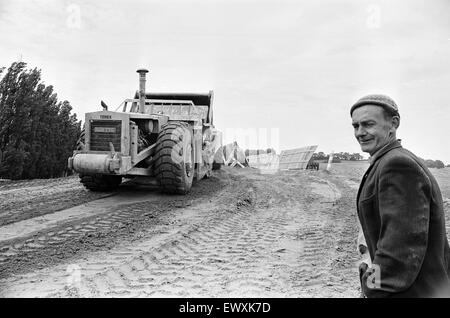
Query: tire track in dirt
x,y
64,241
344,258
193,252
21,200
269,236
328,264
20,184
95,233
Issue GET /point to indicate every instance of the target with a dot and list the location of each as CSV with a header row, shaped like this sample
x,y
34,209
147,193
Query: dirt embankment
x,y
21,200
238,234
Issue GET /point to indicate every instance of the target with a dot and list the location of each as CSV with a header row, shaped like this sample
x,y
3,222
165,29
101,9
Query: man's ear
x,y
395,122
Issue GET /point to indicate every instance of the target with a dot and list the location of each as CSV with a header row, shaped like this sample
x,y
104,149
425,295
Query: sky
x,y
284,73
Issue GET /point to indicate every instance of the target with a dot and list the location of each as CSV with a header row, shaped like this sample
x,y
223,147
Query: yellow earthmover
x,y
168,137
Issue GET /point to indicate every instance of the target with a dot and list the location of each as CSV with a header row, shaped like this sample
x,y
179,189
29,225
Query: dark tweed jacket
x,y
401,212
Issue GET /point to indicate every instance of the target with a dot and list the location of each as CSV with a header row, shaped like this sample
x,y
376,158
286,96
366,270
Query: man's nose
x,y
359,132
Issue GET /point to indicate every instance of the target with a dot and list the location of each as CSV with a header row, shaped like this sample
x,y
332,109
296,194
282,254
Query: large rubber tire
x,y
174,158
99,182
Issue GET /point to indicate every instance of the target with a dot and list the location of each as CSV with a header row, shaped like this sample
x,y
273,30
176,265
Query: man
x,y
400,208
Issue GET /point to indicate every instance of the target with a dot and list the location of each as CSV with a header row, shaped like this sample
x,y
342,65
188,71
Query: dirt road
x,y
238,234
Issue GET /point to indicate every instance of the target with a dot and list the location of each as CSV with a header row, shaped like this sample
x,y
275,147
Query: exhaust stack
x,y
142,73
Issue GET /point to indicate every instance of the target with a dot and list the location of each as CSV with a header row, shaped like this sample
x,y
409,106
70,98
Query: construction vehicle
x,y
168,137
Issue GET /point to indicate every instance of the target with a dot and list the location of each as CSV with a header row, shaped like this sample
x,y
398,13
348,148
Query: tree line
x,y
434,163
257,152
338,156
37,132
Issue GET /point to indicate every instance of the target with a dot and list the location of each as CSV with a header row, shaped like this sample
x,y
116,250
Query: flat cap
x,y
377,99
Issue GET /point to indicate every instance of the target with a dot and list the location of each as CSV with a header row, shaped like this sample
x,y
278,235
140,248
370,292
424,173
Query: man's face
x,y
371,128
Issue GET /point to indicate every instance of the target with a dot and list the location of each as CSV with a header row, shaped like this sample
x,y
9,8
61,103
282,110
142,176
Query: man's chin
x,y
366,148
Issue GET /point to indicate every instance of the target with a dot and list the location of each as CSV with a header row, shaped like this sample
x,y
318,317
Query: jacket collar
x,y
392,145
380,153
